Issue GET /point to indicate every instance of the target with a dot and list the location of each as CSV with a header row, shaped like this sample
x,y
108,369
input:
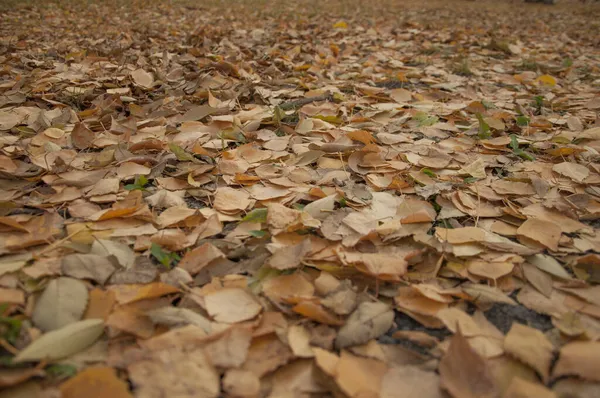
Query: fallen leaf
x,y
368,321
172,316
88,266
531,347
132,293
463,373
358,376
400,382
231,305
543,232
142,78
520,388
579,358
63,342
63,302
175,373
101,382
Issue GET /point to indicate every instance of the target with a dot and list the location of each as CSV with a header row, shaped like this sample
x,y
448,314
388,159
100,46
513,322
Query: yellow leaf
x,y
546,80
340,25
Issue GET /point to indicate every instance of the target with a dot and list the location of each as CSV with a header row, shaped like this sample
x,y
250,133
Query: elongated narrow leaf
x,y
63,342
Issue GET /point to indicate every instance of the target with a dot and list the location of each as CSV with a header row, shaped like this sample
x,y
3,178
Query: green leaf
x,y
429,172
140,183
487,104
525,155
484,128
278,115
61,371
514,143
141,180
164,257
258,234
469,180
256,215
180,153
425,120
343,202
522,120
539,101
10,328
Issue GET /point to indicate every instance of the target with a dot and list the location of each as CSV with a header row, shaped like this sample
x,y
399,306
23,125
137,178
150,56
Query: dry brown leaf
x,y
142,78
266,353
175,373
290,257
316,312
290,288
231,305
12,377
12,296
382,266
539,231
358,376
100,304
463,373
538,279
460,235
229,200
410,381
369,321
579,358
241,383
520,388
132,293
101,382
88,266
230,349
530,346
574,171
195,260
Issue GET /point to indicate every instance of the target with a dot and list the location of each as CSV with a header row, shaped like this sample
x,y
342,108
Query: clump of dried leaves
x,y
251,199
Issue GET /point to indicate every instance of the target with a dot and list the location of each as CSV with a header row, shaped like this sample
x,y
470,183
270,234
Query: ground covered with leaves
x,y
313,199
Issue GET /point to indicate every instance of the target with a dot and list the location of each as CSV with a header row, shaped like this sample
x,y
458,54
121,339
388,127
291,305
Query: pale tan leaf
x,y
356,375
62,303
579,358
63,342
88,266
410,381
530,346
231,305
174,373
520,388
173,316
463,373
368,321
142,78
574,171
543,232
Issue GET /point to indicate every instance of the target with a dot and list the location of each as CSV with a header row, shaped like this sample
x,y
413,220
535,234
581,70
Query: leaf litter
x,y
251,200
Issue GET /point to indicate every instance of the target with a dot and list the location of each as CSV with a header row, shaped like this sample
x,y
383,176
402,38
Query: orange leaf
x,y
317,313
131,293
361,136
98,382
100,304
